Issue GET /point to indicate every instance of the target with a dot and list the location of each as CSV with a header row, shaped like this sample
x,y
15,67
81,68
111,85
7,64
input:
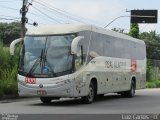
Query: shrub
x,y
153,84
8,70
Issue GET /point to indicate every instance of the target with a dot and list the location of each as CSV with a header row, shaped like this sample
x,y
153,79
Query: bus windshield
x,y
46,56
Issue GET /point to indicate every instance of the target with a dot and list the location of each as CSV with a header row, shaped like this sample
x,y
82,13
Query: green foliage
x,y
9,31
153,52
134,30
118,30
153,84
149,70
152,40
8,70
9,84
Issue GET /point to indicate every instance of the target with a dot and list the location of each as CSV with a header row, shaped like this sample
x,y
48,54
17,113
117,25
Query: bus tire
x,y
131,92
91,95
46,100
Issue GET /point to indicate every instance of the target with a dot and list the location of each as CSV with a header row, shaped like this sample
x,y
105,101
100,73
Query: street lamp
x,y
115,20
140,16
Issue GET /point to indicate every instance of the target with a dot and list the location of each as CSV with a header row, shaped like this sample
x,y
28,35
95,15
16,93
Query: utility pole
x,y
23,12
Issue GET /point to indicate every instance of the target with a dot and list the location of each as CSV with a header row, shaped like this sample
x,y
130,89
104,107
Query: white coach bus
x,y
77,60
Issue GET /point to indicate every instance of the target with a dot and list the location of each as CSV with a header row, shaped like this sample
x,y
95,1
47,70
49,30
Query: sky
x,y
96,12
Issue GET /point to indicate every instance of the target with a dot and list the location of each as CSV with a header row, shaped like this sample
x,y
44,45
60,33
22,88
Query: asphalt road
x,y
146,101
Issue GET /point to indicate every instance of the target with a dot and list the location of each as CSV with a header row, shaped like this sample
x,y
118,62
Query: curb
x,y
13,97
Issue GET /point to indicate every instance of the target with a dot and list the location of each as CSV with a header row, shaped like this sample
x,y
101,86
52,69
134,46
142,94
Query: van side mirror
x,y
74,45
12,45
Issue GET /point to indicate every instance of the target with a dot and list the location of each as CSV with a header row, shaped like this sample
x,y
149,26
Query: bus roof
x,y
74,28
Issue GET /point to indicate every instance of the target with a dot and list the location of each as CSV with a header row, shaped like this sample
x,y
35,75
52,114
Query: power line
x,y
61,12
56,15
2,18
50,9
8,7
66,14
30,3
7,17
34,21
51,18
45,7
73,15
39,16
10,0
45,14
10,16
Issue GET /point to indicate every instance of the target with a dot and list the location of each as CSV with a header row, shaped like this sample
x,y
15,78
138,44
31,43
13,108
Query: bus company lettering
x,y
109,64
115,64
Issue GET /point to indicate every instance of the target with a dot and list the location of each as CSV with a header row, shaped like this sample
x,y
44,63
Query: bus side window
x,y
107,47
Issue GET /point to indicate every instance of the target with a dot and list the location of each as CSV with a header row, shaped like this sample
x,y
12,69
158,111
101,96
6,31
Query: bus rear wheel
x,y
131,92
46,100
91,95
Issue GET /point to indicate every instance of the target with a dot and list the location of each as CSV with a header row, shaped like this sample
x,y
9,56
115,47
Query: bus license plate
x,y
41,92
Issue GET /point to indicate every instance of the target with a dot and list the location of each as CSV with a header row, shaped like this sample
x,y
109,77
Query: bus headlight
x,y
63,82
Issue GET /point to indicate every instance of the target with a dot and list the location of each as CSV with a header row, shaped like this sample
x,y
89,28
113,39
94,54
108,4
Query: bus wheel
x,y
46,100
91,95
131,92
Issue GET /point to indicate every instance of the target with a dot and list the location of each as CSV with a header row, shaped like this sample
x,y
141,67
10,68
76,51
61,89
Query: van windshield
x,y
46,56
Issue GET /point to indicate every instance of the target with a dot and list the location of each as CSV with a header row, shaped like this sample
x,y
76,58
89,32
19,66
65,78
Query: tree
x,y
152,40
9,31
118,30
134,30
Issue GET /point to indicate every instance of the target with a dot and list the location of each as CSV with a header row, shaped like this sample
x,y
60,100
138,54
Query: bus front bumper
x,y
65,90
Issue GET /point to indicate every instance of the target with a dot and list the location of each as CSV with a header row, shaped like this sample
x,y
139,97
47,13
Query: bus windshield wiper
x,y
44,60
39,60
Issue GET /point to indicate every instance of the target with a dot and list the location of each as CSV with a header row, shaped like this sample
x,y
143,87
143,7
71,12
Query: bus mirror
x,y
74,45
12,45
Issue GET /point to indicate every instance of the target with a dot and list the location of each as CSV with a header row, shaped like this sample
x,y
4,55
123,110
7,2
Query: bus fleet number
x,y
30,80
